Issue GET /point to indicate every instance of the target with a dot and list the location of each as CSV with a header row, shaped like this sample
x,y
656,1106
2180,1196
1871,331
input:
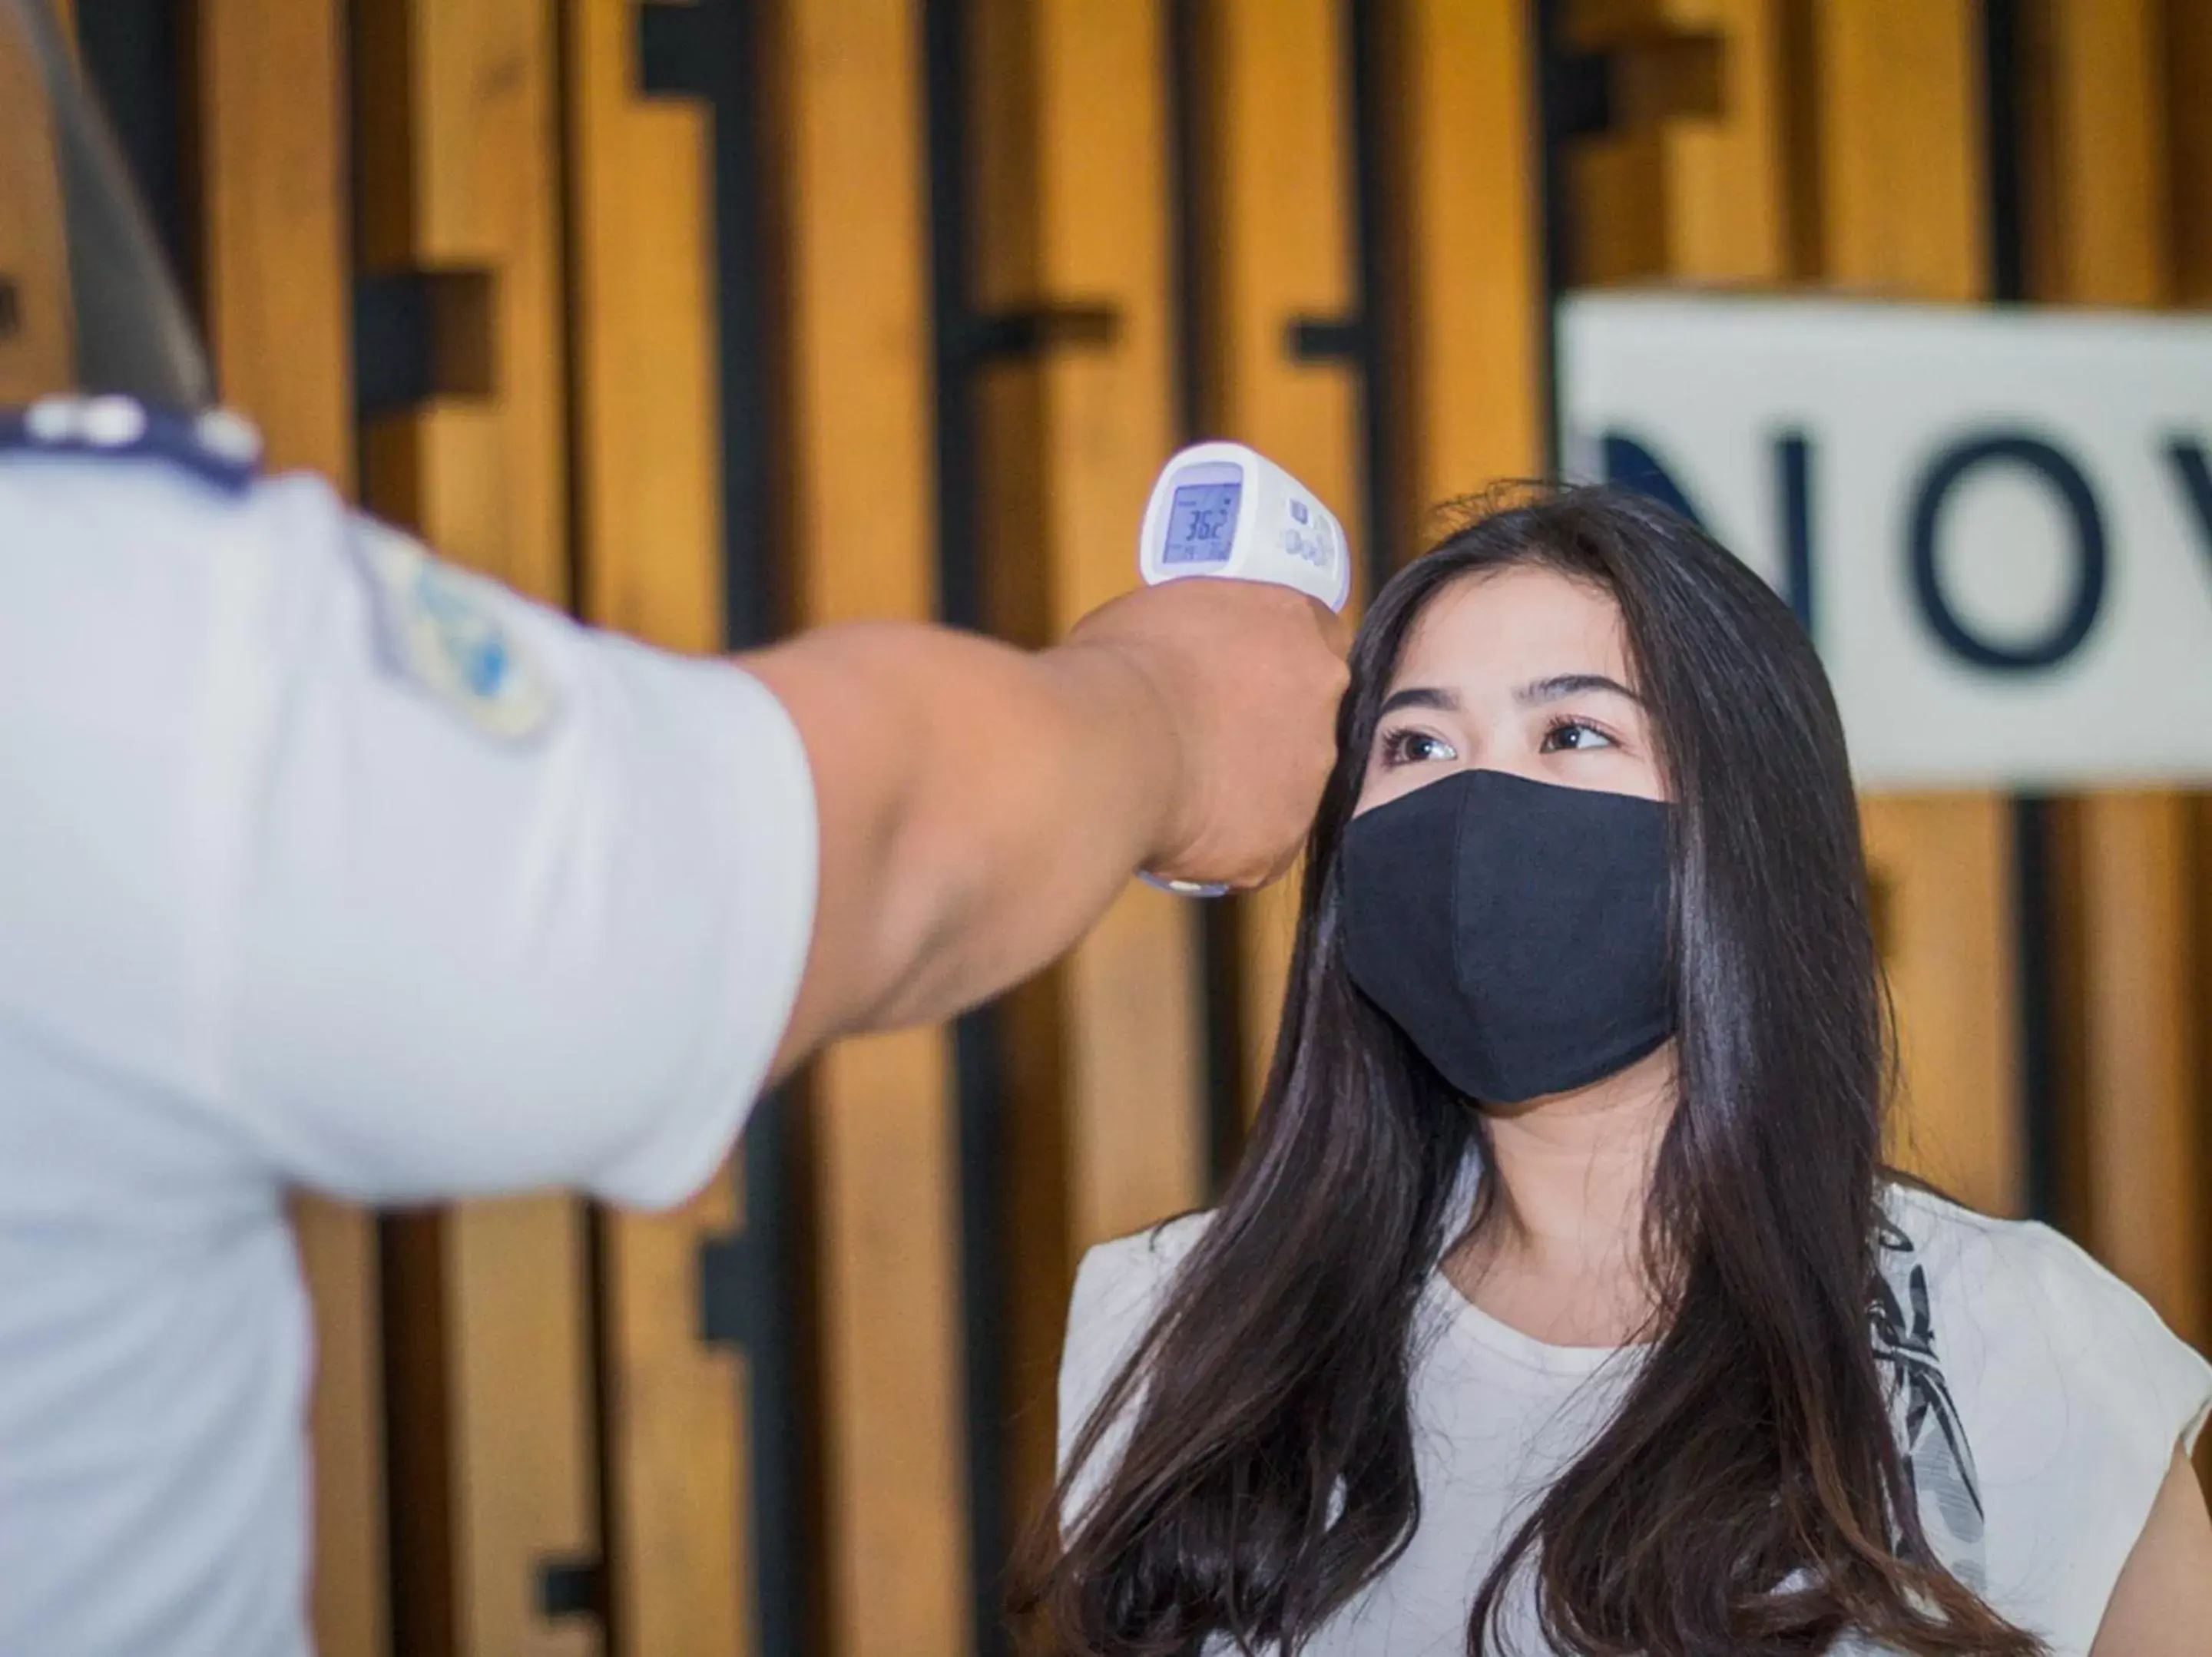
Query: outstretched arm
x,y
980,806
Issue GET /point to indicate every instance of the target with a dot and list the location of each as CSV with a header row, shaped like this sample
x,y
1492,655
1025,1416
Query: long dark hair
x,y
1749,1496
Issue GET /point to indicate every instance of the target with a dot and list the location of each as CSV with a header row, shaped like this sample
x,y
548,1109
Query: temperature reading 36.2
x,y
1202,523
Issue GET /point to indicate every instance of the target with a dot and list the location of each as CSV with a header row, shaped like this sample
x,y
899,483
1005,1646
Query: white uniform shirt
x,y
2067,1393
321,864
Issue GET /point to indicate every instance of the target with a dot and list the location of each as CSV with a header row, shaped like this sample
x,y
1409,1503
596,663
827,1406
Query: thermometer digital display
x,y
1202,523
1223,510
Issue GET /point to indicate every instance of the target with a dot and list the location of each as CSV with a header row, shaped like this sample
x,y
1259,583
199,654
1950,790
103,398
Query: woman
x,y
1562,1302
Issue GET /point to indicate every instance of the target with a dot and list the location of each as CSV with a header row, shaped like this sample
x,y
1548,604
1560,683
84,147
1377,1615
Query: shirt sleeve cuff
x,y
760,788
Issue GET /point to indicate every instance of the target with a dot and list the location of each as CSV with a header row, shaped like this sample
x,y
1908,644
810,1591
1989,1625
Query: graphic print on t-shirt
x,y
1937,1457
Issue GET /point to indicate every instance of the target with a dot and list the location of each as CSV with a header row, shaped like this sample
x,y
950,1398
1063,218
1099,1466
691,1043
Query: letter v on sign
x,y
2186,456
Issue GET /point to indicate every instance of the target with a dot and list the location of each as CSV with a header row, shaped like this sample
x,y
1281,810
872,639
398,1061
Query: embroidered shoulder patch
x,y
442,629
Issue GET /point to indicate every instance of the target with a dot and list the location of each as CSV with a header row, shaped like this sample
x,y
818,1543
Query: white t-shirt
x,y
2039,1399
321,864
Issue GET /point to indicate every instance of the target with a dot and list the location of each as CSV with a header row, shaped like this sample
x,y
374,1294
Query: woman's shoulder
x,y
1135,1267
2019,1281
2035,1304
1119,1288
2055,1391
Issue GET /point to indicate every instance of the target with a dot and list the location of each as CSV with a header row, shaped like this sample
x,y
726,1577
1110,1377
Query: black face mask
x,y
1516,932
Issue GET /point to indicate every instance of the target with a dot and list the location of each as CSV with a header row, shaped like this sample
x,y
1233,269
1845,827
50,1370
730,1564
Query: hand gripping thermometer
x,y
1223,510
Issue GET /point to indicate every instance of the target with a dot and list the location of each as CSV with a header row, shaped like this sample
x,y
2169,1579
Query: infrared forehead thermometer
x,y
1223,510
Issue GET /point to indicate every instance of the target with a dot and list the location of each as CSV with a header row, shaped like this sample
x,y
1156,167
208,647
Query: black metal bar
x,y
2034,895
755,1289
680,50
2034,929
729,1311
392,348
571,1588
965,340
968,338
2004,150
1583,101
419,334
773,1282
1382,388
1559,110
1327,339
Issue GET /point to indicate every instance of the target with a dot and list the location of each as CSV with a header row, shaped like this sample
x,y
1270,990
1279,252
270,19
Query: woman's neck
x,y
1561,1258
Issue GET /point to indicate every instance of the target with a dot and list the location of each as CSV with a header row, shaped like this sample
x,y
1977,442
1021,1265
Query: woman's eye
x,y
1414,747
1572,736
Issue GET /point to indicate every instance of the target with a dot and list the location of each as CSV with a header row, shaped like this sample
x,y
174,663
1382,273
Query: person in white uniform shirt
x,y
1562,1302
324,865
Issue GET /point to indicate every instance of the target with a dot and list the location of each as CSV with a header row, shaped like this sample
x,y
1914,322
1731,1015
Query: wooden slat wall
x,y
863,501
492,1471
273,265
36,354
1106,1121
1278,187
1760,142
2102,231
1473,254
1901,212
649,538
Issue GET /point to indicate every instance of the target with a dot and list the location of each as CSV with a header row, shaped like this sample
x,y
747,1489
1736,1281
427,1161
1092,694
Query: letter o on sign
x,y
2072,488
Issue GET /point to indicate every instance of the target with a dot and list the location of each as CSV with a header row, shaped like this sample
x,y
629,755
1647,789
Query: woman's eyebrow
x,y
1560,685
1422,696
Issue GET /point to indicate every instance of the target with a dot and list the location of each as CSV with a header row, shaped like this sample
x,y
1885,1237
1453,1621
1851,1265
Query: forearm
x,y
979,807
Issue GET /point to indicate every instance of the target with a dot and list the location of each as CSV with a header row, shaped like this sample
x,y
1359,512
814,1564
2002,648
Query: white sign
x,y
1998,522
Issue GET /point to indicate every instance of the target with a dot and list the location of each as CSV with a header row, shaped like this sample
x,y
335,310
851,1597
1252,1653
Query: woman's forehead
x,y
1513,624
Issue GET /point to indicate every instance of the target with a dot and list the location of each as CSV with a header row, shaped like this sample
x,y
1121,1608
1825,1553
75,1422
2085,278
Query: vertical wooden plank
x,y
1901,98
273,244
649,537
863,506
2187,49
2103,236
2187,46
1942,863
1281,250
491,1379
1691,182
1135,1152
1071,147
274,185
36,354
478,171
1729,173
1066,135
1901,212
1474,255
2143,1120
